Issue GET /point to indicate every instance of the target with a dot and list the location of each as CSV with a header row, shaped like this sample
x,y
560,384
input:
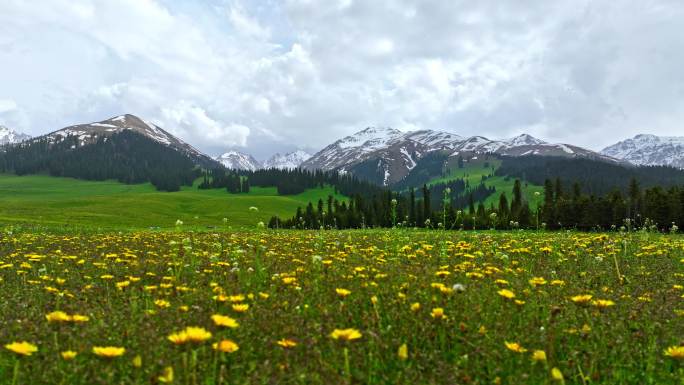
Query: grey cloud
x,y
278,75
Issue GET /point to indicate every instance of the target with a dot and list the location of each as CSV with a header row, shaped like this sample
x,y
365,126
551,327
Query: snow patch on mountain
x,y
8,136
238,161
288,161
649,150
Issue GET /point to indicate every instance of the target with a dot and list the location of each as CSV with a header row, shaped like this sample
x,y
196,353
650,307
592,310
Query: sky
x,y
265,76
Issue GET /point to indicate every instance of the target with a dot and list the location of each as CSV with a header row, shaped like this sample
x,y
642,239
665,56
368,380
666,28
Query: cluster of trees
x,y
231,180
127,157
558,208
421,208
654,207
287,181
594,177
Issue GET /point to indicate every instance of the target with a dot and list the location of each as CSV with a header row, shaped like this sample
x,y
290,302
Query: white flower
x,y
179,222
460,288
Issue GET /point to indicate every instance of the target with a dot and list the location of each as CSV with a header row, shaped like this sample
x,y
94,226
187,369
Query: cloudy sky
x,y
275,75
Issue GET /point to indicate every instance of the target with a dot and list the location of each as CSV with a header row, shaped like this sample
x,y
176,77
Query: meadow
x,y
340,307
72,203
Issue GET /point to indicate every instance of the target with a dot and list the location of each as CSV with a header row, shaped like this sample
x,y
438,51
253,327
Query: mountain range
x,y
388,153
396,153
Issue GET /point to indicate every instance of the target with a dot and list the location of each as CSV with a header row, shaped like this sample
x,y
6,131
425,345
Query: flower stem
x,y
15,375
347,367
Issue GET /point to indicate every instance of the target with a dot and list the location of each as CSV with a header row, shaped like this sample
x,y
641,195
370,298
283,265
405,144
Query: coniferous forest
x,y
127,157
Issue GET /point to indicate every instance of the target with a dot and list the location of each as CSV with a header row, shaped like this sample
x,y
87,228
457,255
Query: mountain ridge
x,y
9,136
649,150
398,152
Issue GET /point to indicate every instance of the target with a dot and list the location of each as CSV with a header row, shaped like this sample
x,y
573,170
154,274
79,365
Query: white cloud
x,y
305,72
7,105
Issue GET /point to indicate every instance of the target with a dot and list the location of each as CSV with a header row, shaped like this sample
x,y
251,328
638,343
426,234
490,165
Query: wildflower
x,y
80,318
342,292
506,293
137,361
402,353
557,375
437,313
108,351
68,355
178,338
23,348
345,334
581,299
515,347
123,284
225,346
537,281
458,287
539,356
58,316
415,307
225,321
287,343
197,334
240,307
602,303
167,376
676,352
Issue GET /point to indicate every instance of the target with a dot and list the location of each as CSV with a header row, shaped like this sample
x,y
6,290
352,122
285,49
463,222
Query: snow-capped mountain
x,y
8,136
397,152
91,132
288,161
238,161
649,150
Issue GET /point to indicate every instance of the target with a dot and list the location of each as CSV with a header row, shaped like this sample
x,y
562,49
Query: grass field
x,y
350,307
70,202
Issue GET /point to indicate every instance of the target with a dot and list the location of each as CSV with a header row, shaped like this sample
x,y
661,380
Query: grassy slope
x,y
65,201
475,169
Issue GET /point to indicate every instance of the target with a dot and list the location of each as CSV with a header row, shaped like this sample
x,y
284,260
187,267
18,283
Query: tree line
x,y
654,208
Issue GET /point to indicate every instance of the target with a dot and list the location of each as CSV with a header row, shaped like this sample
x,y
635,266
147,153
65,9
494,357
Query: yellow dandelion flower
x,y
240,307
178,338
167,376
108,351
557,375
68,355
225,321
345,334
515,347
402,353
342,292
22,348
58,316
539,356
676,352
415,306
287,343
581,299
603,303
437,313
225,346
506,293
197,334
80,318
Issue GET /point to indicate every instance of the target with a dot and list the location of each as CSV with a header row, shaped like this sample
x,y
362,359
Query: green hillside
x,y
482,168
71,202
